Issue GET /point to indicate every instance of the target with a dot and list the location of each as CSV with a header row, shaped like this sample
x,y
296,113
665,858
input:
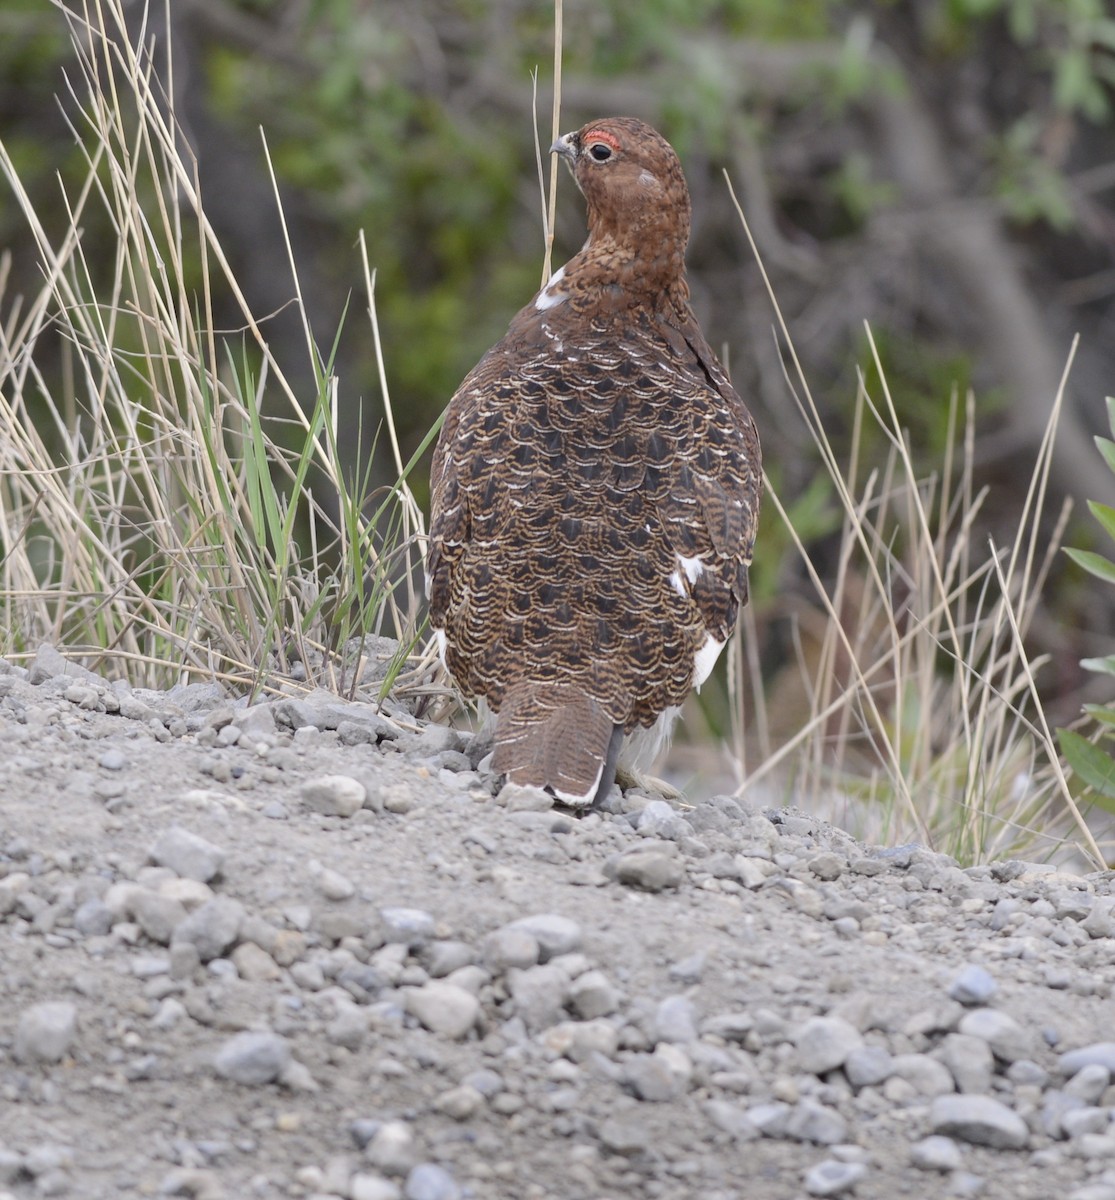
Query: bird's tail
x,y
554,736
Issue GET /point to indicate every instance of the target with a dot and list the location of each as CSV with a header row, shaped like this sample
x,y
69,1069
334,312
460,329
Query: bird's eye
x,y
601,151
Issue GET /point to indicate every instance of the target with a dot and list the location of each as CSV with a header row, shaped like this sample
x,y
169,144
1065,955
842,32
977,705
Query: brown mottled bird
x,y
595,488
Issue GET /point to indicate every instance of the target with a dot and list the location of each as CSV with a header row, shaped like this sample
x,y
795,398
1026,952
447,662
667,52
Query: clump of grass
x,y
922,719
170,508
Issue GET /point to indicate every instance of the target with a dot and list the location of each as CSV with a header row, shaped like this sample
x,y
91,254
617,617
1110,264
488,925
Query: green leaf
x,y
1094,564
1111,412
1094,766
1105,514
1105,666
1102,713
1107,447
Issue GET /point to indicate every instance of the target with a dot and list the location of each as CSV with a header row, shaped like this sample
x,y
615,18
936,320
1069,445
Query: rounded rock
x,y
157,915
833,1178
253,1058
45,1032
824,1043
334,795
428,1181
650,870
392,1148
408,926
973,986
980,1120
187,854
809,1121
935,1153
443,1008
212,929
554,933
372,1187
1007,1039
1098,1053
594,995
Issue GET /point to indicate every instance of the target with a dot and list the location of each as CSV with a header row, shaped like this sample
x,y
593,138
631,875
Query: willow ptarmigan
x,y
595,488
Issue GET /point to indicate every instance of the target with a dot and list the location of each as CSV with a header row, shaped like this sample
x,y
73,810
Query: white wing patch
x,y
705,659
551,295
693,567
679,587
440,635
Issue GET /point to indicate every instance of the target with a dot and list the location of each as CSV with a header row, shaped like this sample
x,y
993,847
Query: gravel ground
x,y
301,950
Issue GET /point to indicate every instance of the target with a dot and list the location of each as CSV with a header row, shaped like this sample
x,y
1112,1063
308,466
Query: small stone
x,y
1089,1083
1007,1039
93,918
254,964
770,1119
661,1076
824,1043
372,1187
443,958
658,819
675,1020
625,1133
408,926
935,1153
1099,1053
554,934
538,995
827,866
392,1148
1099,922
187,855
980,1120
867,1065
253,1058
650,869
334,795
113,760
1084,1120
969,1061
460,1103
507,948
212,928
335,886
593,995
443,1008
833,1178
809,1121
45,1031
731,1119
973,986
580,1040
157,915
428,1181
925,1075
689,970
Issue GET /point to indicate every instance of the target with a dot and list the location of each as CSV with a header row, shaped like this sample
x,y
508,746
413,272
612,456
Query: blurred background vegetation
x,y
941,169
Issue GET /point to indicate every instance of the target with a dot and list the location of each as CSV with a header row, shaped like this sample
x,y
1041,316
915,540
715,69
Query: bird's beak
x,y
565,147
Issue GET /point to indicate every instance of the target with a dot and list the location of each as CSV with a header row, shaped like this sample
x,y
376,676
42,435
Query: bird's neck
x,y
650,269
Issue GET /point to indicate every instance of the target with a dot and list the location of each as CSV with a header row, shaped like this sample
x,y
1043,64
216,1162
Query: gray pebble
x,y
658,819
809,1121
675,1020
372,1187
594,995
833,1178
661,1076
392,1148
188,855
507,948
925,1075
973,986
935,1153
1077,1122
428,1181
157,915
212,928
554,934
335,886
333,795
443,1008
93,918
410,926
731,1119
113,760
1099,1053
625,1133
1007,1039
443,958
538,995
827,866
1089,1083
253,1058
651,869
770,1119
979,1120
970,1062
824,1043
45,1031
689,970
461,1103
866,1066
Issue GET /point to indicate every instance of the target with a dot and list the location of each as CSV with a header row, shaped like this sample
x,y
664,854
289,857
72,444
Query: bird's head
x,y
632,182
